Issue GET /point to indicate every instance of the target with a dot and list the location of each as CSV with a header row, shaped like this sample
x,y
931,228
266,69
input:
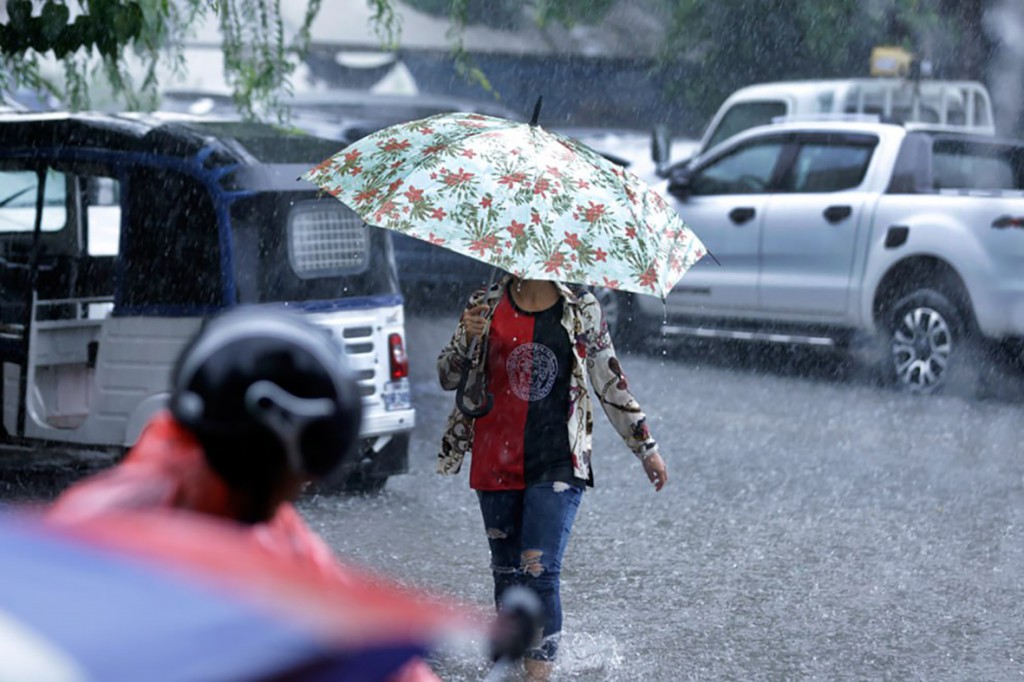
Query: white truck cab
x,y
964,105
899,90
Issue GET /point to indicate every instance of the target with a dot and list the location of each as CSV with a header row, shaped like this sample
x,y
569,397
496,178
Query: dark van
x,y
120,233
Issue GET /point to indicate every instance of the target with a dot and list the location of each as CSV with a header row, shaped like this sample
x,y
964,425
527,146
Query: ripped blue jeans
x,y
528,531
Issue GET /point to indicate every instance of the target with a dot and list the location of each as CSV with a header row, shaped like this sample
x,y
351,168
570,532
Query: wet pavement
x,y
816,526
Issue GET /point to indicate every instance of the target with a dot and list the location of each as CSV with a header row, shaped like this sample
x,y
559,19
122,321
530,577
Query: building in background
x,y
593,76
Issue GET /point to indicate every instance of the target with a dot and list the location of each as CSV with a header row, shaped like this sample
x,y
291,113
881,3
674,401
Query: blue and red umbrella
x,y
166,597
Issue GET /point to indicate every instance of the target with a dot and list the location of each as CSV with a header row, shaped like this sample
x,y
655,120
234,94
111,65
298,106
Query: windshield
x,y
271,144
743,116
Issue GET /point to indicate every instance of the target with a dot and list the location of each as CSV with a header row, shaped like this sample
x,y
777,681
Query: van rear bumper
x,y
376,460
387,423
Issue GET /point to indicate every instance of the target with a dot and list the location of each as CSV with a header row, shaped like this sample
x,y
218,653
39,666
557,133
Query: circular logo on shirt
x,y
532,368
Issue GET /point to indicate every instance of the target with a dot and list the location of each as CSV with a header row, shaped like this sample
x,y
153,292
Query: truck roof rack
x,y
849,118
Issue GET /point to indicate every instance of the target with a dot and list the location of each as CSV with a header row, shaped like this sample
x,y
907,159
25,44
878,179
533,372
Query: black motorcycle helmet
x,y
267,394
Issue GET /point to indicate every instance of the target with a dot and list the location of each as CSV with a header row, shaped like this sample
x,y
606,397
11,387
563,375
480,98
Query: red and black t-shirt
x,y
524,439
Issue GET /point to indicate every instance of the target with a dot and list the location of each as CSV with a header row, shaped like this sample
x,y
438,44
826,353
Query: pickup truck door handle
x,y
741,215
1005,221
834,214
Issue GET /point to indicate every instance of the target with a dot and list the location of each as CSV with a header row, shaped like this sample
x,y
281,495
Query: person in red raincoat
x,y
261,404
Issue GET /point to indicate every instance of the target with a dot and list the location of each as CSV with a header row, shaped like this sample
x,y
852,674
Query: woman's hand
x,y
474,321
654,466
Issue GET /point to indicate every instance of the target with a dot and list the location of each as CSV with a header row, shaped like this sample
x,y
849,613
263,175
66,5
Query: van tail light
x,y
399,361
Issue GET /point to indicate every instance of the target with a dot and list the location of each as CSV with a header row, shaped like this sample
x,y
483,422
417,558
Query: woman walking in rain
x,y
522,358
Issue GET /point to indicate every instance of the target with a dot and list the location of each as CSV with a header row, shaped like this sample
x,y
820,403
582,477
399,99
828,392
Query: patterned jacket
x,y
593,358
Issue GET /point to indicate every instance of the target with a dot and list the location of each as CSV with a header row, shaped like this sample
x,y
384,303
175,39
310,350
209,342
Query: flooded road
x,y
815,526
812,528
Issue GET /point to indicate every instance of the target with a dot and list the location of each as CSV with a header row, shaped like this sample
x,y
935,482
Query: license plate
x,y
396,395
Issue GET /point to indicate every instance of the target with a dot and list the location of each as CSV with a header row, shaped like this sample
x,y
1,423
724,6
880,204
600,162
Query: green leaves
x,y
736,42
20,12
106,25
257,58
53,21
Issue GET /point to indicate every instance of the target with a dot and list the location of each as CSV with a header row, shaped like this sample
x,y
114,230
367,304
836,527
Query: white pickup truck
x,y
825,232
956,104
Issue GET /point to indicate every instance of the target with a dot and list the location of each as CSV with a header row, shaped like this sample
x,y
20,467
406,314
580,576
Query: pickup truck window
x,y
747,170
827,168
745,115
959,165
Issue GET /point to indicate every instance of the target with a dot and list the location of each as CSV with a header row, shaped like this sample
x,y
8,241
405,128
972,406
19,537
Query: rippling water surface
x,y
816,526
812,528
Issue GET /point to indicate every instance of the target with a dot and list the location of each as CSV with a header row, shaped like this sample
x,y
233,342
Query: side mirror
x,y
661,149
680,182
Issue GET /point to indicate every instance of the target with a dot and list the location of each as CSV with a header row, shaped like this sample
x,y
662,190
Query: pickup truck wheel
x,y
927,341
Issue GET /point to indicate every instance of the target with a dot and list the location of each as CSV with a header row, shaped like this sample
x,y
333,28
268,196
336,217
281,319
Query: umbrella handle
x,y
460,391
460,400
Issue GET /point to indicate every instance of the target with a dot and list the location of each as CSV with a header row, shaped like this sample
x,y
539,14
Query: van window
x,y
18,189
102,215
324,241
304,249
745,115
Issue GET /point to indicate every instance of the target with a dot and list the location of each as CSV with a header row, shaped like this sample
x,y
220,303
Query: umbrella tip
x,y
536,110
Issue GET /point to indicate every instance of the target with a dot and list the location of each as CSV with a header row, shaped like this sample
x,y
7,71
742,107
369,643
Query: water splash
x,y
583,655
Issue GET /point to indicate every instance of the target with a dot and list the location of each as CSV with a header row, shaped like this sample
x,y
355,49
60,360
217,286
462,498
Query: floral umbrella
x,y
511,194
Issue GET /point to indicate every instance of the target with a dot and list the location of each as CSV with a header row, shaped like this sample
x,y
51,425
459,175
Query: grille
x,y
325,241
359,348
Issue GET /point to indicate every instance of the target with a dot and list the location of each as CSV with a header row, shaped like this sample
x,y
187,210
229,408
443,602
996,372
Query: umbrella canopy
x,y
179,597
526,200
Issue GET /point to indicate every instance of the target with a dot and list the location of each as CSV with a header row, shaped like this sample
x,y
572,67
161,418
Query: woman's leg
x,y
549,510
502,511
